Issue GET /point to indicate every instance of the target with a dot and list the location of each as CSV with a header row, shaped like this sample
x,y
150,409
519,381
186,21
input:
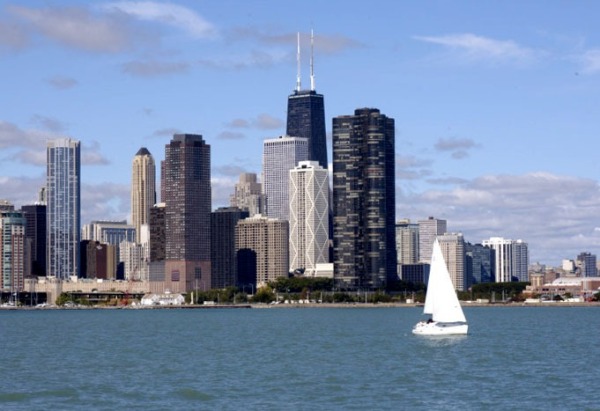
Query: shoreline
x,y
288,306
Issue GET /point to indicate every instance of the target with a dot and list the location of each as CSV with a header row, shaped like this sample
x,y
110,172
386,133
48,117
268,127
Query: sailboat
x,y
447,317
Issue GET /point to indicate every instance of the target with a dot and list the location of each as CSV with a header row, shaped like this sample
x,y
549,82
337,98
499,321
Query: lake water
x,y
298,359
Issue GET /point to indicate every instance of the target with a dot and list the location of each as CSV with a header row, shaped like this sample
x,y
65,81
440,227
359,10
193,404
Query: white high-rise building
x,y
428,231
309,216
512,259
143,189
280,155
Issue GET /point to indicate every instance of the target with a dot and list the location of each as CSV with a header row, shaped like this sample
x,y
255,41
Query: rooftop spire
x,y
298,83
312,71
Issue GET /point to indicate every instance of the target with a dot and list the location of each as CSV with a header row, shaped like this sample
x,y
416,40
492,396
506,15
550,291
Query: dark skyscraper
x,y
35,231
223,253
364,250
306,116
187,217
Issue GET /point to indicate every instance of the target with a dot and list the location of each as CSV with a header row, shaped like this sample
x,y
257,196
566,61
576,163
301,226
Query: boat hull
x,y
437,328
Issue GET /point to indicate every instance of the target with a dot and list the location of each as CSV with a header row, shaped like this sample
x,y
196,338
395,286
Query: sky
x,y
496,103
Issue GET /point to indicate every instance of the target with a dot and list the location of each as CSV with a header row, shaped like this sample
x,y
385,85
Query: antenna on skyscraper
x,y
298,85
312,69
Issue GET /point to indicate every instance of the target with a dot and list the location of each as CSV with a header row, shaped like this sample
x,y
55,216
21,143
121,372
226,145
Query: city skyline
x,y
491,118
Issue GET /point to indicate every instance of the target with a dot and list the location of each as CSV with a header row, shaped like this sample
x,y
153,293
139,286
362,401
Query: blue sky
x,y
496,103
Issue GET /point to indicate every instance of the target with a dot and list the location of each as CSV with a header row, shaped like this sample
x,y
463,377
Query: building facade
x,y
586,263
12,250
261,245
248,195
35,232
309,217
480,264
143,189
187,214
511,259
223,254
280,155
428,231
364,247
109,232
63,219
453,249
306,118
407,242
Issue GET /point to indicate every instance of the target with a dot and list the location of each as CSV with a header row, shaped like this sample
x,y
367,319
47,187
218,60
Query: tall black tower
x,y
306,115
364,248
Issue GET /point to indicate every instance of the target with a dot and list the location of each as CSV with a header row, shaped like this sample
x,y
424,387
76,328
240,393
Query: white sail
x,y
441,300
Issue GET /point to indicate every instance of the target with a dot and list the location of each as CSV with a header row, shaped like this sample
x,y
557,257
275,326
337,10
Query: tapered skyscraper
x,y
306,115
63,188
187,217
364,250
143,189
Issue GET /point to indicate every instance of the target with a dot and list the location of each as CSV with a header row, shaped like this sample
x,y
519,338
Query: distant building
x,y
109,232
453,249
63,192
417,273
35,231
280,155
309,217
407,244
364,206
98,260
143,189
187,214
511,259
586,263
248,195
12,250
223,253
480,262
262,250
428,231
157,232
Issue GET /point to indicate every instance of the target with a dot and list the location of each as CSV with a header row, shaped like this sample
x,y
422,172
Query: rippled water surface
x,y
297,359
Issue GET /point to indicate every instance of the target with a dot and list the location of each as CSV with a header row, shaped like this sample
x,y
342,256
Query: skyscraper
x,y
143,189
309,216
428,231
223,258
306,115
364,249
453,249
35,231
280,155
12,250
63,194
407,242
248,195
187,219
512,259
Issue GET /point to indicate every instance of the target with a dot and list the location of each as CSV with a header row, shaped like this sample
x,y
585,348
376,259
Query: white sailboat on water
x,y
441,302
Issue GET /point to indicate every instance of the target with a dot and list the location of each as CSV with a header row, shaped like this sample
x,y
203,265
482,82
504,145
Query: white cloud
x,y
154,68
62,82
482,48
590,61
555,215
166,13
76,27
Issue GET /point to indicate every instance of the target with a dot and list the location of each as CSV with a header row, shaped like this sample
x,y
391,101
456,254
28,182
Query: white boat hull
x,y
437,328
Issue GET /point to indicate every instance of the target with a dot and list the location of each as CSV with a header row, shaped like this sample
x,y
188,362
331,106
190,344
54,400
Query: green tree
x,y
264,295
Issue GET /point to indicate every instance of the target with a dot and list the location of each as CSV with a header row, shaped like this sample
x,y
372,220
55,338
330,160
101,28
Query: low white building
x,y
163,299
